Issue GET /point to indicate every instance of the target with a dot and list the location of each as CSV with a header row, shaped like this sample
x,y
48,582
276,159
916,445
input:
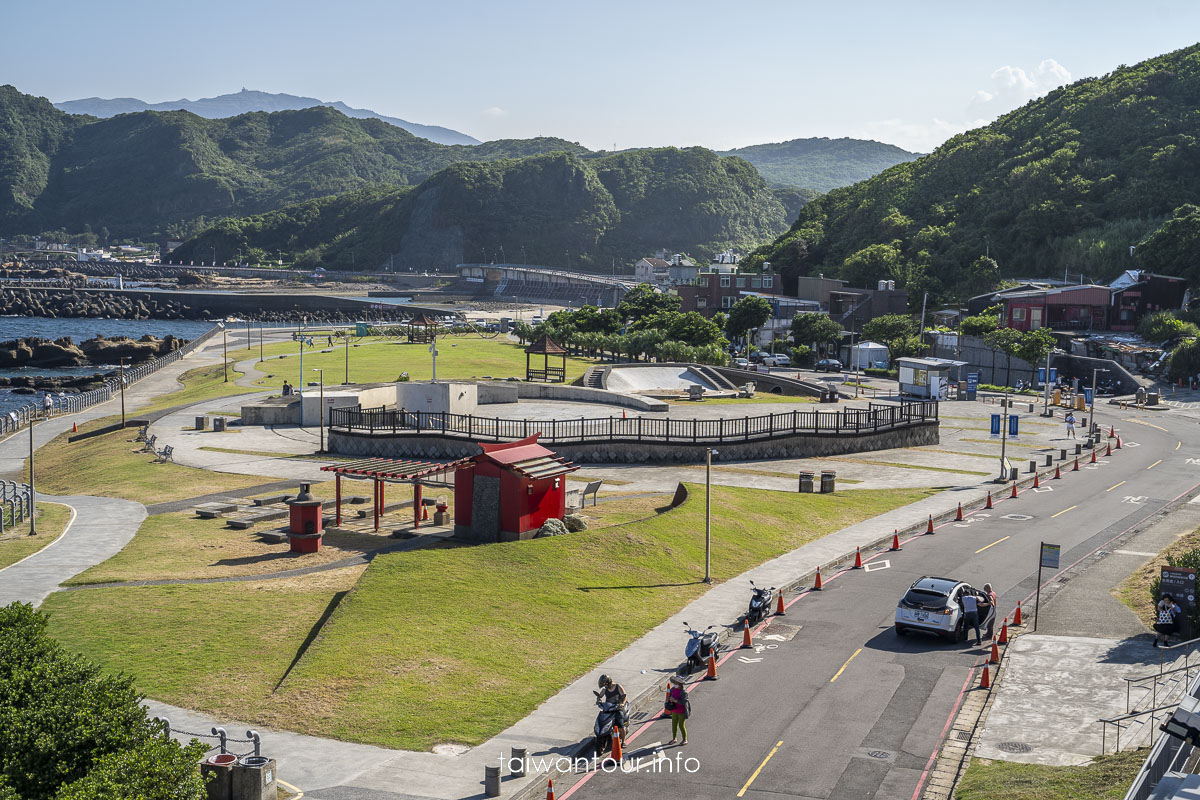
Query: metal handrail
x,y
1116,721
1130,681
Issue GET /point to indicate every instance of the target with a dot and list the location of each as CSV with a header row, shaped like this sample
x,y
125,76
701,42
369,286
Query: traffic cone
x,y
1118,442
1108,451
989,501
424,513
958,517
1093,456
74,427
929,528
711,675
896,540
746,641
1057,473
623,415
1112,432
1014,490
1017,616
986,681
779,610
817,582
550,790
1036,481
995,659
616,744
1004,632
1076,467
857,558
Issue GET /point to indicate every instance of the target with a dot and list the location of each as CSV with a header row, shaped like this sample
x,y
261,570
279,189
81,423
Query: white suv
x,y
934,605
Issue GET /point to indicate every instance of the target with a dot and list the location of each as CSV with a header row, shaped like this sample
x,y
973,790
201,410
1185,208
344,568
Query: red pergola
x,y
383,470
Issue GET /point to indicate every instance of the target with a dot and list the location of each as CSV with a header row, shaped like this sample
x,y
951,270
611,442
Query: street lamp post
x,y
122,392
347,344
32,491
1004,440
260,341
708,454
1092,405
224,350
321,377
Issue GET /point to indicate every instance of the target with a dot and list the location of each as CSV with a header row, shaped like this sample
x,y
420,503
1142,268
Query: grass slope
x,y
16,543
1106,778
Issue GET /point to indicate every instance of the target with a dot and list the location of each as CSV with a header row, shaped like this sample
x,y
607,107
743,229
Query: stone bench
x,y
251,517
271,500
214,510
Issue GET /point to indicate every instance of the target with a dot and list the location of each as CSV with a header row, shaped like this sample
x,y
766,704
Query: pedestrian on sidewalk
x,y
48,404
676,707
1168,620
970,608
1070,420
991,595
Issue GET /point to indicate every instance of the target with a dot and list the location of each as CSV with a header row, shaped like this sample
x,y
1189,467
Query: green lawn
x,y
201,383
16,543
456,643
1106,778
114,466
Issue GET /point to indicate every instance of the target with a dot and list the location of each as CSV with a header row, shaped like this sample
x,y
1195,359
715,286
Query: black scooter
x,y
610,714
700,646
760,604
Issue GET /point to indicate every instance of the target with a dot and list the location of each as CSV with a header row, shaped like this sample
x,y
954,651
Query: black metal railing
x,y
848,421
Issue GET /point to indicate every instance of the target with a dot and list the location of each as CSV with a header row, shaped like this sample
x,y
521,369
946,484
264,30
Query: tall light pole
x,y
32,491
1092,408
708,454
347,343
1004,439
224,349
248,347
260,341
122,392
322,379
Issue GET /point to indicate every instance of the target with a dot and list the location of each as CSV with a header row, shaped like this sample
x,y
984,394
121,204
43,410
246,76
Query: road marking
x,y
838,674
298,794
1155,464
1042,489
1135,553
754,775
745,660
1017,517
1115,485
1135,499
1065,510
1177,444
993,544
1149,424
876,565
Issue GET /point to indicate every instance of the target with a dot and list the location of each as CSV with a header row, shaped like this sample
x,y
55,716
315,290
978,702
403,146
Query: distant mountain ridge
x,y
247,100
822,164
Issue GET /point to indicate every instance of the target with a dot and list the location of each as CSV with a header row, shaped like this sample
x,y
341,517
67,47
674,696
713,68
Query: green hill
x,y
560,207
821,164
147,172
1069,181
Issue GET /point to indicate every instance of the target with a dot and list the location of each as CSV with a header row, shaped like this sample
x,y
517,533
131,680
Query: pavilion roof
x,y
424,320
393,469
546,346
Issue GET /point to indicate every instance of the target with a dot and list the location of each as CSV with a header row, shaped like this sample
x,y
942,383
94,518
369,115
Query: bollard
x,y
201,422
1049,460
1032,465
1078,448
491,781
518,758
1062,454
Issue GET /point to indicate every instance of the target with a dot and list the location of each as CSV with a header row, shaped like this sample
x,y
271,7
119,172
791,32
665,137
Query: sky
x,y
617,74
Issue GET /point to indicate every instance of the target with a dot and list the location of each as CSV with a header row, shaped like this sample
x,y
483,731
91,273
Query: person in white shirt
x,y
970,607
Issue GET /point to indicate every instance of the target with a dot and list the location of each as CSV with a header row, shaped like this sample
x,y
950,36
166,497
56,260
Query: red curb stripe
x,y
942,736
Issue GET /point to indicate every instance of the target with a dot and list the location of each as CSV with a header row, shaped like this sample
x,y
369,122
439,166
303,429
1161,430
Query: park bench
x,y
142,431
214,510
148,447
271,500
166,454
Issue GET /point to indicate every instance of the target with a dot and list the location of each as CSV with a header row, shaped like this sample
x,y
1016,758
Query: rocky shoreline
x,y
64,352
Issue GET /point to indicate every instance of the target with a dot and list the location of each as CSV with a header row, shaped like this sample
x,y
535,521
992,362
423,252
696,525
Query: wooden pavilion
x,y
381,471
422,329
546,347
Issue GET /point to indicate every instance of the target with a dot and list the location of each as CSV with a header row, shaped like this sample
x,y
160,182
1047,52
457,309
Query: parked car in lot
x,y
756,356
828,365
777,360
933,605
741,363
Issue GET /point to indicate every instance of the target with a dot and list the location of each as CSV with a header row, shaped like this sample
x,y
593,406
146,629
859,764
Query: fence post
x,y
639,428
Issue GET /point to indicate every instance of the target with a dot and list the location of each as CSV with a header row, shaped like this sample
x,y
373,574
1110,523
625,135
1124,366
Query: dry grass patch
x,y
1134,591
16,543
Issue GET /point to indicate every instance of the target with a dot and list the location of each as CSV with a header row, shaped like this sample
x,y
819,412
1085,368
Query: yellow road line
x,y
295,791
993,544
838,674
760,768
1177,444
1155,464
1059,514
1151,424
1115,485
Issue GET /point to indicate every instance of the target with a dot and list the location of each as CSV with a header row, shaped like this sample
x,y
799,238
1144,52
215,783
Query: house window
x,y
741,282
724,281
726,301
701,302
1018,315
768,281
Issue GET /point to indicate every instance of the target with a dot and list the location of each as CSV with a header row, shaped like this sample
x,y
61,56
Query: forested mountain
x,y
821,164
558,209
1069,181
155,172
245,101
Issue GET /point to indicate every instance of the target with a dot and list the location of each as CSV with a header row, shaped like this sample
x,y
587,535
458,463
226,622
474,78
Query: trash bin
x,y
361,329
201,422
218,424
253,778
1080,405
1152,398
220,767
806,481
828,477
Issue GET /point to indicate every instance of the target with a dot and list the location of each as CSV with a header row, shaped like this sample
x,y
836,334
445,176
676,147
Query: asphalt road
x,y
832,703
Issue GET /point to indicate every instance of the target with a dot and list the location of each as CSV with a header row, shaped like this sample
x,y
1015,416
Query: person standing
x,y
676,707
970,608
1168,620
991,598
48,404
1070,420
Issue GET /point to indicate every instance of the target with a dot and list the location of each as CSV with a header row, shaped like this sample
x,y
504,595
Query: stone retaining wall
x,y
805,445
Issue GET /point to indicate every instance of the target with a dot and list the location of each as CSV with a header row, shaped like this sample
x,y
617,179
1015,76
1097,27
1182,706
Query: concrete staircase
x,y
594,377
1145,695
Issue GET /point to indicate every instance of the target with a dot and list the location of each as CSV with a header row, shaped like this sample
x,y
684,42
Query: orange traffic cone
x,y
986,681
1112,432
1036,482
958,517
1108,451
550,790
1004,632
616,744
995,659
711,675
896,540
779,610
1014,490
74,427
1076,467
623,415
746,640
1093,456
817,582
929,528
1118,442
857,558
989,501
1057,473
424,512
1017,616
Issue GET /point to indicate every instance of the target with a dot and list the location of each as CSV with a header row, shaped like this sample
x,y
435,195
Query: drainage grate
x,y
962,736
879,754
1015,747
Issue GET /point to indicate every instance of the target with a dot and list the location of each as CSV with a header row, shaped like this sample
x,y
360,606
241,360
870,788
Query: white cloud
x,y
1013,86
495,111
919,136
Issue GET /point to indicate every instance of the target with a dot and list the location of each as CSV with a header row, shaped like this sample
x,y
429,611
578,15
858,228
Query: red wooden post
x,y
416,504
337,482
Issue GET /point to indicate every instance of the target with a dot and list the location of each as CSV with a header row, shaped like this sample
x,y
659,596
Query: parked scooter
x,y
760,604
700,646
610,714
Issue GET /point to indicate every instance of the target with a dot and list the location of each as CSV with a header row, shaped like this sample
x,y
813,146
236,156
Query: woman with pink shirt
x,y
676,706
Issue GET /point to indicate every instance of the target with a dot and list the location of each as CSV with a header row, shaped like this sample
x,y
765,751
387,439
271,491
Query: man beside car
x,y
970,608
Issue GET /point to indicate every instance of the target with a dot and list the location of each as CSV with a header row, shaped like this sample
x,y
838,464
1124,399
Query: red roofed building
x,y
506,492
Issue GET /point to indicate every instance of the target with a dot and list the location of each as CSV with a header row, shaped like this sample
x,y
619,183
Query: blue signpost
x,y
1013,427
972,384
995,426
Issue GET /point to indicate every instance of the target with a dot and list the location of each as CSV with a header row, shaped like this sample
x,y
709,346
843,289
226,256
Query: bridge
x,y
531,282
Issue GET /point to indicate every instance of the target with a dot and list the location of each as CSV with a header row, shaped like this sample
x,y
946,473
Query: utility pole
x,y
1004,439
225,350
1046,410
122,378
1092,405
708,454
32,491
